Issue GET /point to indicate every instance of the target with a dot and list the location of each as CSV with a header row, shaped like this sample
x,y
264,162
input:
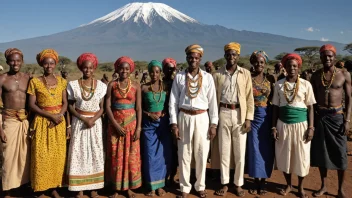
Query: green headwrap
x,y
155,63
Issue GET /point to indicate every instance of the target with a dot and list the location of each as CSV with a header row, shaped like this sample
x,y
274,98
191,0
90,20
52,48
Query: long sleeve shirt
x,y
205,100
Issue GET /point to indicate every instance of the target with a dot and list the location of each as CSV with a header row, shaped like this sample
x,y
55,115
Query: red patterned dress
x,y
123,154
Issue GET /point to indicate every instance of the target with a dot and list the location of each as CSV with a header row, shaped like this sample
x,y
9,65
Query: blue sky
x,y
307,19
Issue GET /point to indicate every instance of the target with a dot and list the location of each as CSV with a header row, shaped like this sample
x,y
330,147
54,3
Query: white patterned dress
x,y
86,157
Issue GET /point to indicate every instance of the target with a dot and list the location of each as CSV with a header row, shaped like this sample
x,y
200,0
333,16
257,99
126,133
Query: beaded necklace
x,y
87,93
328,84
161,88
48,87
193,90
123,91
294,90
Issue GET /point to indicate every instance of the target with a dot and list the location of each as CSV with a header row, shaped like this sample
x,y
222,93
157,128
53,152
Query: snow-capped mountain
x,y
147,31
144,12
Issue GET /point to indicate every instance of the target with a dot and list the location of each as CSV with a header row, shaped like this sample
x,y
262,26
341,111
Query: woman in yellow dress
x,y
48,100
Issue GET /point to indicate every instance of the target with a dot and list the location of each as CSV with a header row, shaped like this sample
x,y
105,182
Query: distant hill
x,y
147,31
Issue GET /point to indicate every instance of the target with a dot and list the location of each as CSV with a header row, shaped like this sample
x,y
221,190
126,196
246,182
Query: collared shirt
x,y
229,93
205,100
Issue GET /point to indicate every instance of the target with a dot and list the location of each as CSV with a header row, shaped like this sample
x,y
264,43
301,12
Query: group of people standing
x,y
242,117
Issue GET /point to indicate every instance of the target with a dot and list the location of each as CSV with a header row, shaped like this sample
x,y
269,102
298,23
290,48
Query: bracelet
x,y
213,126
311,127
69,126
347,120
273,128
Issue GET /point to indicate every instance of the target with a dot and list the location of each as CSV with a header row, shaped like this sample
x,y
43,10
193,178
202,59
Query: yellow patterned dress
x,y
48,152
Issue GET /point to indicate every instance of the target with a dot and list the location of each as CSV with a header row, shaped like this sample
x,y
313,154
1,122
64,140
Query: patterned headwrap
x,y
11,51
87,57
327,47
195,49
125,59
169,60
233,46
292,56
47,53
154,63
255,54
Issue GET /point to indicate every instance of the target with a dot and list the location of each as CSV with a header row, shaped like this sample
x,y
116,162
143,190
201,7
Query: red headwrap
x,y
124,59
327,47
169,60
87,57
292,56
11,51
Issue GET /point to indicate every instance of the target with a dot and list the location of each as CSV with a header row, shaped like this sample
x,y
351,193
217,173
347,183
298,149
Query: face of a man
x,y
193,60
15,62
231,57
328,58
292,68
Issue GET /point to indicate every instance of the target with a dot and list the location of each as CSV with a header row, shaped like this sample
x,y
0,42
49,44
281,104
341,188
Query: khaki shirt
x,y
229,92
244,90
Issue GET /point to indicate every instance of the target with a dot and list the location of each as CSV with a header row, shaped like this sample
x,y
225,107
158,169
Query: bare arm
x,y
138,112
64,102
108,99
348,105
2,134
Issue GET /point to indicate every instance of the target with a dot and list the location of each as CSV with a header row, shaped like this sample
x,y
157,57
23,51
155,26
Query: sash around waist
x,y
85,113
51,108
119,106
19,115
292,115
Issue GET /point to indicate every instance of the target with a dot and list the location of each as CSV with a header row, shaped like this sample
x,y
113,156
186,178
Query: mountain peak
x,y
145,13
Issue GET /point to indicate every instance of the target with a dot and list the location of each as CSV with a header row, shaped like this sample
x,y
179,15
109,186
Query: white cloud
x,y
324,39
341,32
311,29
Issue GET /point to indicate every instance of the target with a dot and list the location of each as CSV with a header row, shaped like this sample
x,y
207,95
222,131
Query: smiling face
x,y
154,73
124,70
15,62
193,60
49,65
292,68
328,58
231,57
259,64
87,69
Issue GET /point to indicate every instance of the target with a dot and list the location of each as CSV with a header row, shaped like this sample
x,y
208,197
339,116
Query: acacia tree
x,y
348,48
280,56
309,52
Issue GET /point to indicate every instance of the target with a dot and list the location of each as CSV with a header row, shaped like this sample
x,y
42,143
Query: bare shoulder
x,y
136,84
3,77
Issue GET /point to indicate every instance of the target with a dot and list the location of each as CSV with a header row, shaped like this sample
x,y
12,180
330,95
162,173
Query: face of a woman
x,y
49,65
292,68
87,69
155,73
15,62
259,64
124,70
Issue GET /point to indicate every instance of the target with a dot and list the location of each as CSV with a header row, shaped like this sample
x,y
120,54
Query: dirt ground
x,y
274,184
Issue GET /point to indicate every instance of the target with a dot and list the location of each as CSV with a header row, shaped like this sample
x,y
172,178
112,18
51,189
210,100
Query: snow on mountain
x,y
144,12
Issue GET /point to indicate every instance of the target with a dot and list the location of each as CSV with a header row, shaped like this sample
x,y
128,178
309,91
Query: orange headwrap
x,y
195,49
87,57
327,47
124,59
233,46
292,56
11,51
169,60
47,53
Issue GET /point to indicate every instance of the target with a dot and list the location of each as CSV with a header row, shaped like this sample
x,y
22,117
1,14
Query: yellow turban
x,y
194,49
47,53
233,46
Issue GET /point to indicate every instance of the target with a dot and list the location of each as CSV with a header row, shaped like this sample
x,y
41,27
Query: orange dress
x,y
124,159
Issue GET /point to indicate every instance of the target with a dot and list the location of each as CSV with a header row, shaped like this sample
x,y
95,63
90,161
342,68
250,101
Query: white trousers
x,y
231,136
193,131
